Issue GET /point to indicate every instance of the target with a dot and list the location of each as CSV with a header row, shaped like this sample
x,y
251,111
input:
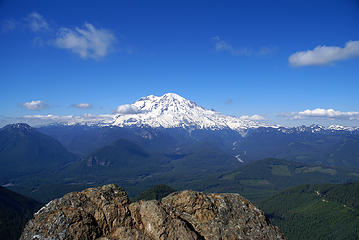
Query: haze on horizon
x,y
289,63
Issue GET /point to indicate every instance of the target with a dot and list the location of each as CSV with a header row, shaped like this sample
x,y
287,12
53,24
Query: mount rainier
x,y
171,111
167,111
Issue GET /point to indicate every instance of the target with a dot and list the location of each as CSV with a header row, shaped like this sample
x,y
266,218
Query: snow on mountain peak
x,y
20,126
341,128
167,102
171,110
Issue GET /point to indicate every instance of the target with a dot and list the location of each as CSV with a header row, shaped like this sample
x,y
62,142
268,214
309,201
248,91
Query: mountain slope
x,y
131,165
122,159
84,140
172,110
24,151
15,211
263,178
311,145
325,211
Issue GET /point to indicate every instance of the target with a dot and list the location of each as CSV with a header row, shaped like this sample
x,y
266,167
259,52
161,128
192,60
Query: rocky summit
x,y
106,213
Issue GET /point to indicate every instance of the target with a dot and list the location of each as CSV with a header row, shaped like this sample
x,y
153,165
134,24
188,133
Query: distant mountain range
x,y
171,140
305,144
173,111
165,139
171,123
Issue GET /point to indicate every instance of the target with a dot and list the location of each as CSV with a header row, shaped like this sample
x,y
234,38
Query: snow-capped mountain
x,y
315,128
172,111
341,128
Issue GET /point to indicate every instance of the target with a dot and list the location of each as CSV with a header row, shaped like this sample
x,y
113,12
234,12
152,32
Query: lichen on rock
x,y
105,213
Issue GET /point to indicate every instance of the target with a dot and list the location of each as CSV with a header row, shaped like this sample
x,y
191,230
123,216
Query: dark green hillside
x,y
185,169
260,179
15,211
122,159
127,160
157,192
117,154
84,140
140,170
24,151
201,159
325,211
130,166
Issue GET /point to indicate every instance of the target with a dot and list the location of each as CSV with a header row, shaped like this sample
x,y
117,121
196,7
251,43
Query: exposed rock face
x,y
106,213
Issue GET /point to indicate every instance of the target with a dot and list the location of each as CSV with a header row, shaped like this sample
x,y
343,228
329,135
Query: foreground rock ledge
x,y
106,213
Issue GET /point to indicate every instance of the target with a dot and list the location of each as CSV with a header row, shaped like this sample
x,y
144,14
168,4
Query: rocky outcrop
x,y
105,213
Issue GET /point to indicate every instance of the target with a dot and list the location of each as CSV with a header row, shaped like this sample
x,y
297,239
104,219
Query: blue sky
x,y
291,62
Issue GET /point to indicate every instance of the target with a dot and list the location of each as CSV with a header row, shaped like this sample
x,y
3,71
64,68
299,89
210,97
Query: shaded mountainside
x,y
84,140
106,213
26,151
130,165
127,160
15,211
312,145
316,211
120,159
263,178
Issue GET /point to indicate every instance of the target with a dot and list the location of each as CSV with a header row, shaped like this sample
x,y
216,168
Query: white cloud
x,y
41,120
35,105
88,42
127,109
37,22
323,113
48,117
322,55
38,120
82,105
254,117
